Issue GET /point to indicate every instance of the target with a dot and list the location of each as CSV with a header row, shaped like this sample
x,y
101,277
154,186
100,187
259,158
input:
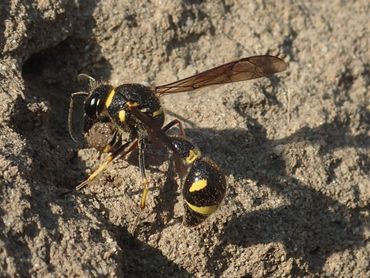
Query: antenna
x,y
70,112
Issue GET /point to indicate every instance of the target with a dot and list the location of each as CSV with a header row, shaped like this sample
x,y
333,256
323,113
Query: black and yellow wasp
x,y
135,109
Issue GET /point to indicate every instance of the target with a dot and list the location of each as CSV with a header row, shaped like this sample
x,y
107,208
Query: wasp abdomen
x,y
203,191
204,186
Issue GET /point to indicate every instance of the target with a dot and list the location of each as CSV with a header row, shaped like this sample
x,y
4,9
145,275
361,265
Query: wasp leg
x,y
70,112
142,141
173,123
179,165
114,143
152,129
119,152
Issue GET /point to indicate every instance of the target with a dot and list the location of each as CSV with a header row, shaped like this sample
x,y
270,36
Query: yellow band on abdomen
x,y
206,210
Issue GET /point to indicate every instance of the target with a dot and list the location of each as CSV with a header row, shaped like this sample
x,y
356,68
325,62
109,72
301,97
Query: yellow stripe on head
x,y
206,210
198,185
109,99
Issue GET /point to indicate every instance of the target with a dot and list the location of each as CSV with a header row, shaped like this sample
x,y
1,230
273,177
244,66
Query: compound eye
x,y
91,105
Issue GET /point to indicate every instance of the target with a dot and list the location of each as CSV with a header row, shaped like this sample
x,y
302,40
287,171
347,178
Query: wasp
x,y
135,109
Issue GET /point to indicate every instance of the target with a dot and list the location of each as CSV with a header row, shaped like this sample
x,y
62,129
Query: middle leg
x,y
142,144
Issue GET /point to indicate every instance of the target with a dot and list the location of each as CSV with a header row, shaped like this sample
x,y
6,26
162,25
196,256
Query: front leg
x,y
118,152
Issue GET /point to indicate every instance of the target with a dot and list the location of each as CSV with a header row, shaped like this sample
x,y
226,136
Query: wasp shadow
x,y
142,260
312,226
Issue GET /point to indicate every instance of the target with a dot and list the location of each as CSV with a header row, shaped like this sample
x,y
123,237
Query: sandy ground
x,y
294,147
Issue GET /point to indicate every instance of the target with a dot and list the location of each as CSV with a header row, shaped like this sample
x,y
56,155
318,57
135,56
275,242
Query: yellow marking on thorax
x,y
193,155
132,104
206,210
109,99
122,116
158,112
198,185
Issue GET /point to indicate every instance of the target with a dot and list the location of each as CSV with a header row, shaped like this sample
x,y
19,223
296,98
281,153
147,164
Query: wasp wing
x,y
240,70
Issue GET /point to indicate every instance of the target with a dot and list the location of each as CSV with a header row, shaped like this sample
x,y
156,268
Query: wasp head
x,y
94,103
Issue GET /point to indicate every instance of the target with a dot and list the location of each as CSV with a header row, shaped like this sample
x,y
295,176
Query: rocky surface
x,y
294,147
